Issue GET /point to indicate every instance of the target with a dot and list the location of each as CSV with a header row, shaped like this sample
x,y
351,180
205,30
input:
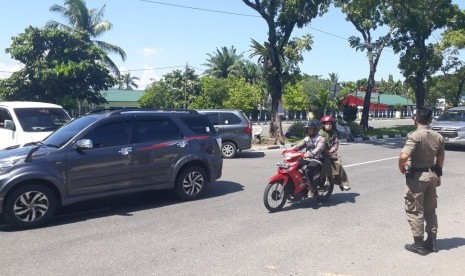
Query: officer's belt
x,y
415,170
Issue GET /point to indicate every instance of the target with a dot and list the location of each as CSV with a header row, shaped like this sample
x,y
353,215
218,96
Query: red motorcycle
x,y
290,183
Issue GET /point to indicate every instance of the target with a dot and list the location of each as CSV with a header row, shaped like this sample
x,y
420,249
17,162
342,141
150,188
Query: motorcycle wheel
x,y
323,193
275,196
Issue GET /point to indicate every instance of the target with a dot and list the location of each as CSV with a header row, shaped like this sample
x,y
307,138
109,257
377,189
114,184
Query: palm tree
x,y
223,62
80,18
127,82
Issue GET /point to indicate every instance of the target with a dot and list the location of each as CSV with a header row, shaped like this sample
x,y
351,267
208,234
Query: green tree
x,y
214,93
127,82
242,95
281,17
414,22
80,18
57,66
176,90
157,95
367,16
294,97
223,62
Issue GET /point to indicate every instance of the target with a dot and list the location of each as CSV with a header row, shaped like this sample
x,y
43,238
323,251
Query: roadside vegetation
x,y
69,65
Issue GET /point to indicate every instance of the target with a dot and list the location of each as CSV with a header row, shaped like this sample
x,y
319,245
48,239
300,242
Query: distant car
x,y
108,154
234,128
451,125
28,122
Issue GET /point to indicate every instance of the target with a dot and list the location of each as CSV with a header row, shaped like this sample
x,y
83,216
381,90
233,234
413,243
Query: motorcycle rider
x,y
333,168
314,146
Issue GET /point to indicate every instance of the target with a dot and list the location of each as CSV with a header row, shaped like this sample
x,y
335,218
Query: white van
x,y
26,122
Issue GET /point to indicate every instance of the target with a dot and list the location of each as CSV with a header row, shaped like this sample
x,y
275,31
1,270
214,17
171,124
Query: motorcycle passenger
x,y
333,168
314,146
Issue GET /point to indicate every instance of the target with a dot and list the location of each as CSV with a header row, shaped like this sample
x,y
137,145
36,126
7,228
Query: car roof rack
x,y
133,110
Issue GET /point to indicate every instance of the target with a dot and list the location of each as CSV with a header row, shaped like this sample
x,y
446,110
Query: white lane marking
x,y
374,161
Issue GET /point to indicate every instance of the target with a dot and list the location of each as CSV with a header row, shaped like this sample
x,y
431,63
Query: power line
x,y
199,9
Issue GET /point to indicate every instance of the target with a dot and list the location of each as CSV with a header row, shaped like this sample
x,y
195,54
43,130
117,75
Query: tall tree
x,y
367,16
281,17
57,65
80,18
414,22
223,62
127,82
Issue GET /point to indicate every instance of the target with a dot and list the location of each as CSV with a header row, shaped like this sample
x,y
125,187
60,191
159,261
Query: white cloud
x,y
150,52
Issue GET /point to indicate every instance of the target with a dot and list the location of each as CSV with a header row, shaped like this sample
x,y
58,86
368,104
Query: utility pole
x,y
185,87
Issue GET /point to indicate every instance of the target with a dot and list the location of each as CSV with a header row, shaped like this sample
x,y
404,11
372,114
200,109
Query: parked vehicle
x,y
234,128
27,122
451,125
290,183
101,155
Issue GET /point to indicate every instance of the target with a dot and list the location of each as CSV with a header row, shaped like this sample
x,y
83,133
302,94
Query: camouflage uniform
x,y
423,146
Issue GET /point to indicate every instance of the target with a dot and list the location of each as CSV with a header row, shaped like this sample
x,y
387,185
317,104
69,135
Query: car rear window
x,y
198,124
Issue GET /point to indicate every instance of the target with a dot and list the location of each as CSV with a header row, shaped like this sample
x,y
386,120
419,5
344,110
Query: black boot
x,y
417,246
430,243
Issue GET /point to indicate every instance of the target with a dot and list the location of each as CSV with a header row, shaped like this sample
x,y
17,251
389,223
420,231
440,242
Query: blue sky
x,y
159,38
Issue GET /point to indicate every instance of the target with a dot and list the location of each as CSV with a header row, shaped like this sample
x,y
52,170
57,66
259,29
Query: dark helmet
x,y
312,124
326,119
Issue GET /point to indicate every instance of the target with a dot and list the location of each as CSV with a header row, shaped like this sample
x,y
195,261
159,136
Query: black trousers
x,y
312,167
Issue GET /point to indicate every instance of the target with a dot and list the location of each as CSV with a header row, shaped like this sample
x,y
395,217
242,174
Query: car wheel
x,y
228,150
30,205
191,183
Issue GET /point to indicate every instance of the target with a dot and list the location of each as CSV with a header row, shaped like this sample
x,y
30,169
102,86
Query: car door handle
x,y
125,151
182,144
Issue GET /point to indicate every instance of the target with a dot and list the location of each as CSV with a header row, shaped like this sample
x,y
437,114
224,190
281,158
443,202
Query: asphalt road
x,y
229,232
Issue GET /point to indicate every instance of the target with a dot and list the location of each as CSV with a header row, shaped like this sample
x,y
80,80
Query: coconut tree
x,y
127,82
80,18
223,62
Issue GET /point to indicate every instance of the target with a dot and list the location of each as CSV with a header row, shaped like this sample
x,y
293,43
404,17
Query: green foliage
x,y
414,22
294,97
355,129
57,65
297,129
230,93
177,89
223,62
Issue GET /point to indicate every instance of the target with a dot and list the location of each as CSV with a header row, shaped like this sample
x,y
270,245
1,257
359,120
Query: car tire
x,y
30,205
191,183
228,150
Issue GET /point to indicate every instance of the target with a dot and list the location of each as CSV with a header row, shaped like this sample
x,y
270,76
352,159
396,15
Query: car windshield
x,y
68,131
453,115
41,119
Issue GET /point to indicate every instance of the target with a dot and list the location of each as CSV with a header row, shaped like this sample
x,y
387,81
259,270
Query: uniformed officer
x,y
424,149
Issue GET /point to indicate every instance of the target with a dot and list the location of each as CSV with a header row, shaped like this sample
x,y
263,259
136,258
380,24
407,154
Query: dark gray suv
x,y
234,128
108,154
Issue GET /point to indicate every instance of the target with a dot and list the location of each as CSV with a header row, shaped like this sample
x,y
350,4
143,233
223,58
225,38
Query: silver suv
x,y
108,154
451,124
234,128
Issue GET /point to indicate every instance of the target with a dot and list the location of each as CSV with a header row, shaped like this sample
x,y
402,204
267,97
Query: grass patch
x,y
389,131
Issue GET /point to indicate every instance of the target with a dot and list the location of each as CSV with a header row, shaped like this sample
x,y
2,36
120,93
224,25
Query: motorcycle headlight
x,y
6,165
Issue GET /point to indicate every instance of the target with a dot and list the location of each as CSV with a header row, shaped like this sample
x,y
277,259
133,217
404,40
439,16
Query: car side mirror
x,y
8,124
84,144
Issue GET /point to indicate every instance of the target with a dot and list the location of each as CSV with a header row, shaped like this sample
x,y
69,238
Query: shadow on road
x,y
250,154
388,143
450,243
335,199
127,205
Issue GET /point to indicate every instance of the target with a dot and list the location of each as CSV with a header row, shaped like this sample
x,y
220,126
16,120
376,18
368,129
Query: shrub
x,y
349,113
297,130
355,129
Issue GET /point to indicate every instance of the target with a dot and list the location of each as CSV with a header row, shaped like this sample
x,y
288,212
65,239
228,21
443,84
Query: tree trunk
x,y
276,130
367,100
